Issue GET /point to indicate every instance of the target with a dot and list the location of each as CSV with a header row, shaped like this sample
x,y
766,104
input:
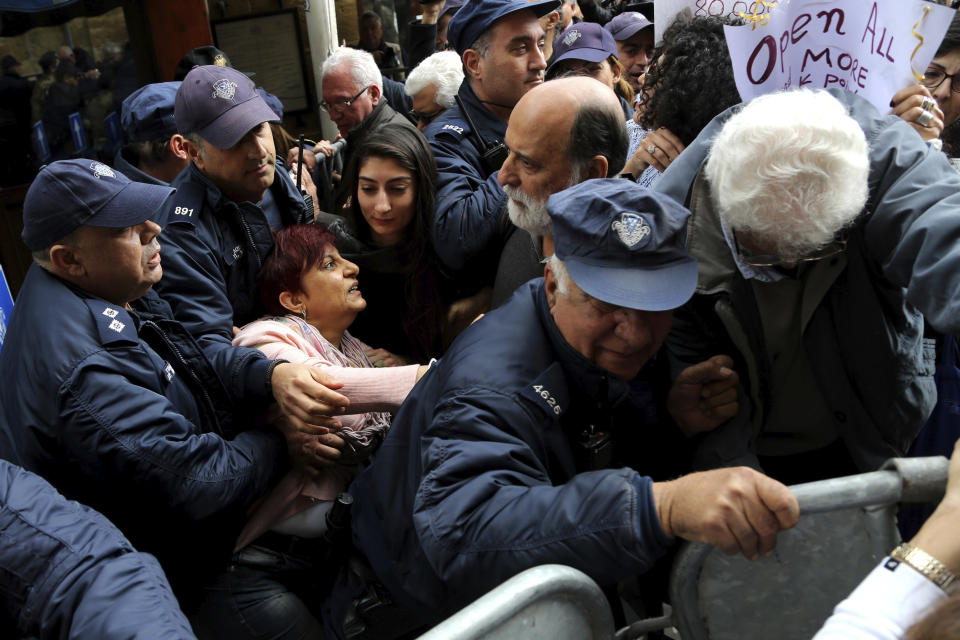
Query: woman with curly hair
x,y
689,82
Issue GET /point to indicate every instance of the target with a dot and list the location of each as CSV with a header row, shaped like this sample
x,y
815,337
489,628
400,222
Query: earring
x,y
303,313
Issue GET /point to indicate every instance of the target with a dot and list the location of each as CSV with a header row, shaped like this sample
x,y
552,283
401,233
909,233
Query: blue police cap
x,y
626,24
476,16
70,193
452,6
583,41
624,244
272,101
147,113
220,104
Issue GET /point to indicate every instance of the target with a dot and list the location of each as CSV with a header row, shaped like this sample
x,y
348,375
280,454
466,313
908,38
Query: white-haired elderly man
x,y
433,86
824,232
353,97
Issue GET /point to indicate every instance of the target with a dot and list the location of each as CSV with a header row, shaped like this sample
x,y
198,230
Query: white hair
x,y
559,271
790,168
442,70
363,68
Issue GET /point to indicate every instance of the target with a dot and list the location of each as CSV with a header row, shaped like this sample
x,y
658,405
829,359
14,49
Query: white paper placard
x,y
869,47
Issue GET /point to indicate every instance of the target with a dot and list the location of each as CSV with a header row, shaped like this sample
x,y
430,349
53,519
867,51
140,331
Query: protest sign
x,y
666,11
872,48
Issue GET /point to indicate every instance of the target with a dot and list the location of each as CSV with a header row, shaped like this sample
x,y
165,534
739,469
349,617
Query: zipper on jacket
x,y
595,439
252,246
197,384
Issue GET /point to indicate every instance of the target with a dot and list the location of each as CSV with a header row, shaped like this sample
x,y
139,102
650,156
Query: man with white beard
x,y
560,134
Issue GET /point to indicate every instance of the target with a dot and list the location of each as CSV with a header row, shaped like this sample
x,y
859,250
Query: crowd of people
x,y
570,302
70,81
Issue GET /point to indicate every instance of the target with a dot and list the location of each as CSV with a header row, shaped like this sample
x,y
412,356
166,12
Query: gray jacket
x,y
862,312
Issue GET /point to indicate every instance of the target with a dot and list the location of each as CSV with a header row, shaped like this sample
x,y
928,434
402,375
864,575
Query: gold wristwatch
x,y
930,567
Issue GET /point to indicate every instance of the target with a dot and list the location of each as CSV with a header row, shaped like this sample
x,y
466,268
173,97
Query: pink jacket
x,y
372,393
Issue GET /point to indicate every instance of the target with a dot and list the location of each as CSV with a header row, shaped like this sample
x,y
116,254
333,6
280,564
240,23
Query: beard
x,y
529,213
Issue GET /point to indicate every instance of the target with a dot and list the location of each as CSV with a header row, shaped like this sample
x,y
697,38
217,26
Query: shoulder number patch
x,y
546,395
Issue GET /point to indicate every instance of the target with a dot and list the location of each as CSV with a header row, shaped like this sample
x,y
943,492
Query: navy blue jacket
x,y
470,223
482,476
121,411
67,572
213,248
395,94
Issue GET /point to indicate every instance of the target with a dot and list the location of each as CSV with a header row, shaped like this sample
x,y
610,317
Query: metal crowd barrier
x,y
549,602
846,526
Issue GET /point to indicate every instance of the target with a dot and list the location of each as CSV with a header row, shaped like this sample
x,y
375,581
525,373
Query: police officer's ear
x,y
66,260
291,302
194,152
550,286
177,147
550,21
471,63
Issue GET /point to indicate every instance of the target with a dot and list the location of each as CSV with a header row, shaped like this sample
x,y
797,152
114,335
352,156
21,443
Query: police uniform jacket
x,y
67,572
862,311
483,473
212,249
470,223
121,411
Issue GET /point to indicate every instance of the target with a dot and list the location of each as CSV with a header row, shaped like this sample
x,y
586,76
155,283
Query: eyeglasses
x,y
343,105
769,260
934,76
425,118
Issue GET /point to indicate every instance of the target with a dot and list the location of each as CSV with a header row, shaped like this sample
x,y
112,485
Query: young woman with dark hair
x,y
411,315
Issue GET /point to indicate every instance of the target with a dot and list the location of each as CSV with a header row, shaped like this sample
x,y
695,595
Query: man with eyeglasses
x,y
353,97
825,233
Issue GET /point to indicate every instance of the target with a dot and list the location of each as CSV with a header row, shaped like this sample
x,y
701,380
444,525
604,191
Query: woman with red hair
x,y
313,294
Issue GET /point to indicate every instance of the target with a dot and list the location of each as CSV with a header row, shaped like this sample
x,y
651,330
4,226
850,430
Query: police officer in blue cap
x,y
500,44
539,437
234,193
112,401
154,150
